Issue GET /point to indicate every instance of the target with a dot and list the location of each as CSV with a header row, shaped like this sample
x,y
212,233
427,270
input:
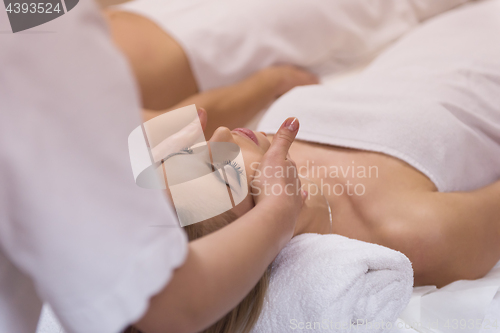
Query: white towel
x,y
227,40
328,279
338,283
431,100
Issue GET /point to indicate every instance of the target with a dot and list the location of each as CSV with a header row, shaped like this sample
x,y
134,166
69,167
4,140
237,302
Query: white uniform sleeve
x,y
96,246
227,40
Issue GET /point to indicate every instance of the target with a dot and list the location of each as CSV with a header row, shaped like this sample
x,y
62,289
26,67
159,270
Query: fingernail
x,y
304,194
292,124
200,111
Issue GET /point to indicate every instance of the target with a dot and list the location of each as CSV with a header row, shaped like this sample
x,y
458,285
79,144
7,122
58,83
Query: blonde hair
x,y
243,317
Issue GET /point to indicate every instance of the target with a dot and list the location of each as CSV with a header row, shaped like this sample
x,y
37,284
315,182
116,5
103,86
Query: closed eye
x,y
183,151
236,167
219,176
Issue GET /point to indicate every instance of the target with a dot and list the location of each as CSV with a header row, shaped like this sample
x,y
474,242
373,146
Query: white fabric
x,y
227,40
431,100
75,230
469,296
465,306
344,284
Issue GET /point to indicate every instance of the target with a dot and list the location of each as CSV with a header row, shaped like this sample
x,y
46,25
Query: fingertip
x,y
284,138
201,112
292,124
202,115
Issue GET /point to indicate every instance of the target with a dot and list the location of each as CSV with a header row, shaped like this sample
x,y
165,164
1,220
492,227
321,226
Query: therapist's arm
x,y
221,268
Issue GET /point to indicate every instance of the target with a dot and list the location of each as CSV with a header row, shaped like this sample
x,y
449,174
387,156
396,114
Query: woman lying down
x,y
407,155
234,57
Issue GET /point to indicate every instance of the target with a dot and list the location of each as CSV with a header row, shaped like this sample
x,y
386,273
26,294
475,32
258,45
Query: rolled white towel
x,y
337,284
328,279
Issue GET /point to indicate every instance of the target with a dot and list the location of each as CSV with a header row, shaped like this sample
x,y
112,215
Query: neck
x,y
315,216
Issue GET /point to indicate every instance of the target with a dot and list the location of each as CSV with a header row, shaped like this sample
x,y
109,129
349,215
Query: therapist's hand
x,y
221,268
276,180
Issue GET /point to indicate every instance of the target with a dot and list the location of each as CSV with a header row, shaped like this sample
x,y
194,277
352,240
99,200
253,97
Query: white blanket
x,y
227,40
431,100
335,283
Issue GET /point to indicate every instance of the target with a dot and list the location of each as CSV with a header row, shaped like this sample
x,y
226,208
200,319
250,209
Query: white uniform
x,y
75,230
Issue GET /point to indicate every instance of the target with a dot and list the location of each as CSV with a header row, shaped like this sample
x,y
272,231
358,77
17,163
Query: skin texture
x,y
160,65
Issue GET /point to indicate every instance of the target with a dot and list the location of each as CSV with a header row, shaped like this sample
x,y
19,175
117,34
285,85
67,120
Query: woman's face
x,y
253,146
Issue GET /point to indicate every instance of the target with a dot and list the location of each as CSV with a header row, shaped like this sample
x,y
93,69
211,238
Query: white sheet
x,y
464,306
430,100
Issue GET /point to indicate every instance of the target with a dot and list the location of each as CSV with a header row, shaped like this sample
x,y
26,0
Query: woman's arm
x,y
235,105
166,81
221,268
470,223
447,236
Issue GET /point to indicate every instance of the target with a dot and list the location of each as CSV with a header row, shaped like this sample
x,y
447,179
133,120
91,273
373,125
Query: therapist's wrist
x,y
281,213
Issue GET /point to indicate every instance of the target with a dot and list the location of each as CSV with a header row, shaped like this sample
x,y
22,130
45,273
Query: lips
x,y
248,133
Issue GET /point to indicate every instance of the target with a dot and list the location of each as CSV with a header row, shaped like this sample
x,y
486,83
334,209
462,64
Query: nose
x,y
222,134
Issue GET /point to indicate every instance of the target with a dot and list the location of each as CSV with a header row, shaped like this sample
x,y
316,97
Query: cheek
x,y
252,162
